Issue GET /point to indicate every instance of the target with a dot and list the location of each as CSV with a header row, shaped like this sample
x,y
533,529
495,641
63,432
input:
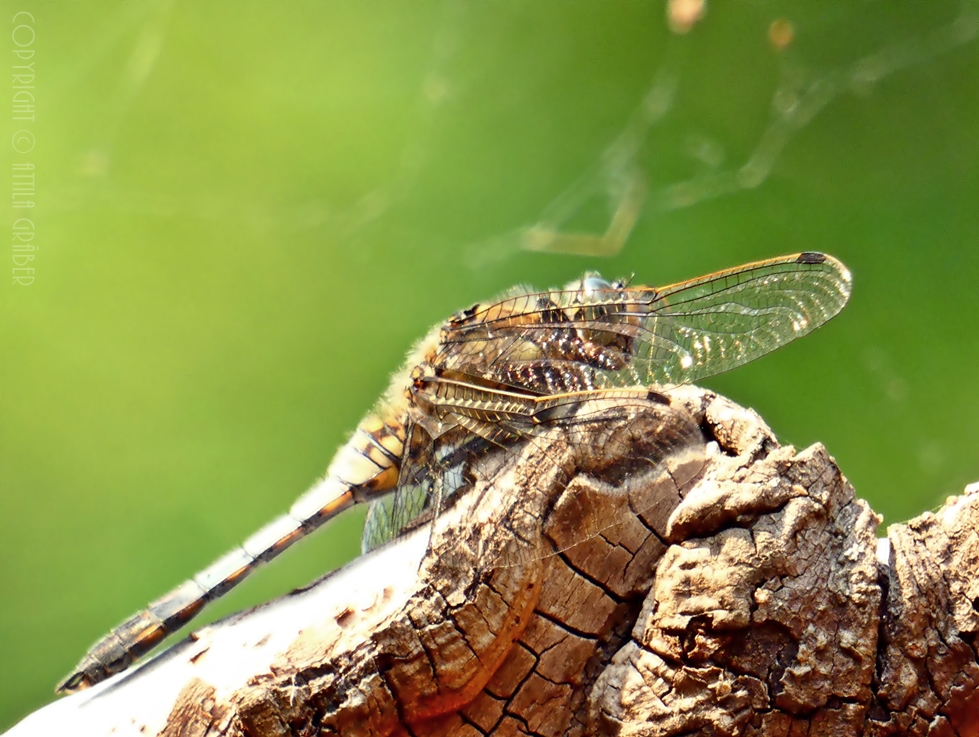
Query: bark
x,y
725,586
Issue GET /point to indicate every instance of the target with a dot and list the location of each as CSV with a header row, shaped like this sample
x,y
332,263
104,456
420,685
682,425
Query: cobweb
x,y
624,176
630,175
623,179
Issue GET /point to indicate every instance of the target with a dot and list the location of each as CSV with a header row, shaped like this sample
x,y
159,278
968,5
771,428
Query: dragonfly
x,y
494,375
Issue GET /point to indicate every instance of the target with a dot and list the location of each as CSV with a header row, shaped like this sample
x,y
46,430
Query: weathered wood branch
x,y
735,588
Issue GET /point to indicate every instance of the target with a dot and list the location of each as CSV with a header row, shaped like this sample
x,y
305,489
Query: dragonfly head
x,y
590,283
593,288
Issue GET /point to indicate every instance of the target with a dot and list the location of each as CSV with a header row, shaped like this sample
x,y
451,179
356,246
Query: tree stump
x,y
725,586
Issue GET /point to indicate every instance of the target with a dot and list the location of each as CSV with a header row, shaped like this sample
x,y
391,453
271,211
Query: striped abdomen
x,y
364,469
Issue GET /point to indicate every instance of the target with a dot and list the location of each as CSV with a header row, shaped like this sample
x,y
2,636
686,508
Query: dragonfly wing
x,y
713,324
583,463
389,516
432,475
622,439
517,372
577,340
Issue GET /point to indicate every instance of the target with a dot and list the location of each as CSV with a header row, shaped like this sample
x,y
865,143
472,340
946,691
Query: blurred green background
x,y
247,212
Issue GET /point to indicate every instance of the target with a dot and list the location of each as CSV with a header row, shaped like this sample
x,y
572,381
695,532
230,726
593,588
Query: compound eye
x,y
594,288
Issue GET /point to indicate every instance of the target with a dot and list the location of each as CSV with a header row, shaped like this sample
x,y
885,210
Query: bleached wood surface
x,y
750,599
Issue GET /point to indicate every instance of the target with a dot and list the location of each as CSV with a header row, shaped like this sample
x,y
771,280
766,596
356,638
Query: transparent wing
x,y
641,451
432,474
608,335
510,373
391,515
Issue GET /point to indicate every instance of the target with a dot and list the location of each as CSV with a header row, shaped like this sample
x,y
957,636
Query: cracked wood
x,y
752,598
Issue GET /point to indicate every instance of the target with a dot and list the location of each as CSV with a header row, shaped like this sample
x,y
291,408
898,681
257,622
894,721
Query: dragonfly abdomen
x,y
364,468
